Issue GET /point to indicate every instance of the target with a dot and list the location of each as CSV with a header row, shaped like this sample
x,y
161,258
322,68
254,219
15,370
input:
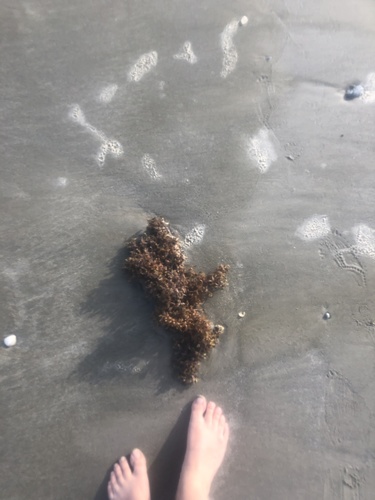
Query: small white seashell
x,y
242,314
10,341
244,20
219,328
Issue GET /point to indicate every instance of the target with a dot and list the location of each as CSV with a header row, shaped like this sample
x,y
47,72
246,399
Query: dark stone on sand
x,y
353,91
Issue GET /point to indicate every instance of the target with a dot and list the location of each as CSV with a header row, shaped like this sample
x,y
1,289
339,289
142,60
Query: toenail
x,y
136,453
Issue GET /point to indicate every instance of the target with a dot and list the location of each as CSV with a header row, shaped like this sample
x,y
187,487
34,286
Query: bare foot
x,y
128,484
206,445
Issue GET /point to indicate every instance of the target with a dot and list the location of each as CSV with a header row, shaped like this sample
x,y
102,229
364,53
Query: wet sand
x,y
252,144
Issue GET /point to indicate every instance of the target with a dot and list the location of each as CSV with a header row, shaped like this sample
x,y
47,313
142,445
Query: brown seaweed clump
x,y
157,260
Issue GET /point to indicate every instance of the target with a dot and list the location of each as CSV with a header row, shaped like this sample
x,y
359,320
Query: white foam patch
x,y
76,114
364,240
244,20
186,53
161,86
314,228
62,182
108,146
149,165
230,55
369,89
261,150
195,236
108,93
142,66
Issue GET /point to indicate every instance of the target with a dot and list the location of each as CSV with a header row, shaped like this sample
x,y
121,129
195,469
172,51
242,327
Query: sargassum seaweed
x,y
156,259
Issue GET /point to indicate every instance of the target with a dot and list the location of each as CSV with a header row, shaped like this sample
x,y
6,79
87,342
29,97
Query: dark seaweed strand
x,y
157,260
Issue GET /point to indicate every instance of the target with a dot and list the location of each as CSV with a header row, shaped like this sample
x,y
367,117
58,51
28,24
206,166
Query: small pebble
x,y
290,157
242,314
10,341
327,315
353,91
244,20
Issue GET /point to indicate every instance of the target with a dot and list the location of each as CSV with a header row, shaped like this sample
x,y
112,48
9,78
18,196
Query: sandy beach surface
x,y
239,135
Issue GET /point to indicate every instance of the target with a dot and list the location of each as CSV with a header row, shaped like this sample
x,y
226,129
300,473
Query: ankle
x,y
191,488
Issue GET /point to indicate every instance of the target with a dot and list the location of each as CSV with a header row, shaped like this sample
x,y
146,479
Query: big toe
x,y
138,462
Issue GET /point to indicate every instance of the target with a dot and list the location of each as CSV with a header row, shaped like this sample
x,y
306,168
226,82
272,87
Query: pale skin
x,y
207,441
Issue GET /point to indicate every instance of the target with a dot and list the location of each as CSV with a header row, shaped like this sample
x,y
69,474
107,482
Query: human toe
x,y
217,415
113,482
222,421
138,461
118,474
199,406
222,425
125,467
208,416
111,493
